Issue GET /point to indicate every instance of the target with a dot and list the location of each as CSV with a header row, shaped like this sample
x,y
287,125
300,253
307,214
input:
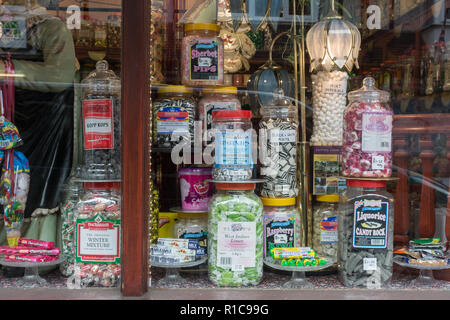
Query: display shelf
x,y
112,54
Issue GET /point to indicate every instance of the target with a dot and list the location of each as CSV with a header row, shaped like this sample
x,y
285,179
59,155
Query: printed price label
x,y
370,264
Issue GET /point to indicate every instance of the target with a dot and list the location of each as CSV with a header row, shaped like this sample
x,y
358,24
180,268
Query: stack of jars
x,y
92,212
366,210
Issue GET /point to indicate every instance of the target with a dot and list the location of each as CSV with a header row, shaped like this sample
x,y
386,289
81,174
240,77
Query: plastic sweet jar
x,y
235,145
192,225
366,234
114,34
173,116
70,196
325,226
278,129
202,55
281,224
157,41
235,236
216,98
367,137
196,191
98,235
101,124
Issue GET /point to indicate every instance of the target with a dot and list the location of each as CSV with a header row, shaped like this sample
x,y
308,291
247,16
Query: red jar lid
x,y
366,183
235,186
101,185
221,114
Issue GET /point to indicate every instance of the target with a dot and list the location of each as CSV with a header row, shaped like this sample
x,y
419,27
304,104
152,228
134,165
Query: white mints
x,y
329,102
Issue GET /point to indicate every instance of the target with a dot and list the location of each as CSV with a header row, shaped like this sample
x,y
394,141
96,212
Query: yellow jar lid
x,y
278,201
202,26
174,89
232,90
192,215
328,198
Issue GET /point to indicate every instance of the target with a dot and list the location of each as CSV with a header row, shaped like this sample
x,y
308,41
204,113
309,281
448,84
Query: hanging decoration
x,y
257,13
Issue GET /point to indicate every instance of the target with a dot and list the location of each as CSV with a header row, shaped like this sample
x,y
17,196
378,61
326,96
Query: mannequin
x,y
44,99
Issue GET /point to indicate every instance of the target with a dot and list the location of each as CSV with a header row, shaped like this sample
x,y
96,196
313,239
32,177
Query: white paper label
x,y
376,132
377,162
236,245
334,87
283,136
370,264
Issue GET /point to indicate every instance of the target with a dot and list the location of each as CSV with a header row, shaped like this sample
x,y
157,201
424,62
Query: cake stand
x,y
172,276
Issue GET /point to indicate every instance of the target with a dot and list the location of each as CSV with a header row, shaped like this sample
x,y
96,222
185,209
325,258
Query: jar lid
x,y
221,114
192,215
235,186
101,185
232,90
202,26
328,198
194,171
275,202
174,89
368,92
366,183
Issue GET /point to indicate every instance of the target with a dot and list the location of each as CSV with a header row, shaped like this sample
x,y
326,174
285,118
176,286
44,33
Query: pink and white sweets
x,y
367,136
36,243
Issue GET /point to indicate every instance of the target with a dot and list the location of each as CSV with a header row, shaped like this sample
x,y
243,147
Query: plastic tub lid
x,y
275,202
366,183
201,26
223,114
192,215
194,171
328,198
174,89
209,90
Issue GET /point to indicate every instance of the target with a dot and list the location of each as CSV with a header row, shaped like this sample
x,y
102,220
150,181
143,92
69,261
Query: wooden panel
x,y
135,145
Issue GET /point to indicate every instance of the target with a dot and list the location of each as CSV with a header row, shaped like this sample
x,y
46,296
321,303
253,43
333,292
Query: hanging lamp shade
x,y
333,43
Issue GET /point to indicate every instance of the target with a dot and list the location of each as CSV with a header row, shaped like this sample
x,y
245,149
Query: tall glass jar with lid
x,y
235,236
282,224
202,55
98,235
366,234
173,116
278,130
101,125
367,148
325,225
235,145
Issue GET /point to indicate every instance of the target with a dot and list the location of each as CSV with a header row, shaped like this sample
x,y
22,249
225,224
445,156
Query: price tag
x,y
377,162
370,264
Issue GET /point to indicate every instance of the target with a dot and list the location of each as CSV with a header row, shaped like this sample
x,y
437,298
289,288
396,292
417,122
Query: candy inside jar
x,y
367,137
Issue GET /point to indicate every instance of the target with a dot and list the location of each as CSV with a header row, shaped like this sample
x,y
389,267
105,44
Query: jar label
x,y
329,230
369,264
370,225
97,240
283,136
376,132
204,58
334,87
236,245
98,123
171,119
193,232
280,231
233,150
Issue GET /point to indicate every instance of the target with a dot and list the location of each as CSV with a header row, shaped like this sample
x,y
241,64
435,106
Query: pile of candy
x,y
172,250
424,251
30,250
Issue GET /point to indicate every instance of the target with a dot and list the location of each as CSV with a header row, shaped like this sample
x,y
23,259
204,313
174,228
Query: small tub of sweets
x,y
202,55
196,190
367,137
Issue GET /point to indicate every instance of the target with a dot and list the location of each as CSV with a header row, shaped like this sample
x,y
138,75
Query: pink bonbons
x,y
367,136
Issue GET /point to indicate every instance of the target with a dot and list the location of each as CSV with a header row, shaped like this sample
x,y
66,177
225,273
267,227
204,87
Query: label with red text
x,y
98,123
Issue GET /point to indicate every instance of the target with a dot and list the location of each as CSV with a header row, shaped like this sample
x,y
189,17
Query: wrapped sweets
x,y
30,258
329,102
202,55
367,137
98,275
29,251
36,243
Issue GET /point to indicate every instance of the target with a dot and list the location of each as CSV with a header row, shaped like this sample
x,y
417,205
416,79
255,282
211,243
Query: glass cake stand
x,y
298,279
31,276
172,273
425,278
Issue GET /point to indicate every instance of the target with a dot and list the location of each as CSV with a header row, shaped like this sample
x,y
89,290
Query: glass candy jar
x,y
192,226
366,234
157,39
367,148
235,236
325,226
98,235
173,112
101,125
235,145
202,55
282,225
279,128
